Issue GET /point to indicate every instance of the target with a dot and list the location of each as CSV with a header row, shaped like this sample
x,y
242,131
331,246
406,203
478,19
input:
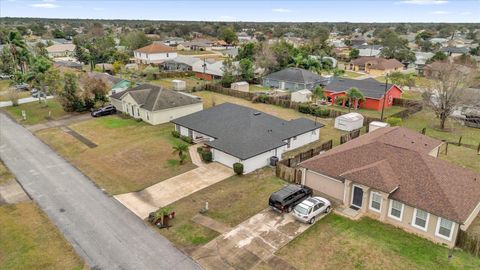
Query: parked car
x,y
107,110
309,209
38,94
288,197
5,76
22,86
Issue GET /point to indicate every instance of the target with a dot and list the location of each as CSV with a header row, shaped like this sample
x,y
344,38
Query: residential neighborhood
x,y
239,135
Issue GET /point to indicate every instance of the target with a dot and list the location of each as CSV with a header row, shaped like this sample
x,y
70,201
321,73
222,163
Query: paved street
x,y
21,101
102,231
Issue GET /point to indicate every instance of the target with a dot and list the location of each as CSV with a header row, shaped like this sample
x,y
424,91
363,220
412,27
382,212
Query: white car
x,y
311,208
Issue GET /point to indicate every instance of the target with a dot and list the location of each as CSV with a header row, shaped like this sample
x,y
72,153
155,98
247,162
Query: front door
x,y
357,196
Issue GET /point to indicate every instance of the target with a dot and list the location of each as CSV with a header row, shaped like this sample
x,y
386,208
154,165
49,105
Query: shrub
x,y
262,98
394,121
200,150
176,134
238,168
186,139
207,156
304,108
322,112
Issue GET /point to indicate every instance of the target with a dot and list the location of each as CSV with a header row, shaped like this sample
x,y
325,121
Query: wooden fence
x,y
469,242
170,74
349,136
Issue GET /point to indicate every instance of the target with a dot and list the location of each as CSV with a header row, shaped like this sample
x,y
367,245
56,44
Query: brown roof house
x,y
154,104
375,65
392,174
155,53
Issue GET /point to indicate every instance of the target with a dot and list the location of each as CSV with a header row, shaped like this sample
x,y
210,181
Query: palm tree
x,y
16,42
318,92
181,148
352,95
23,57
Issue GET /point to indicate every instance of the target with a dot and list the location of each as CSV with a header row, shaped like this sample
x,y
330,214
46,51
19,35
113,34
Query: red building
x,y
372,89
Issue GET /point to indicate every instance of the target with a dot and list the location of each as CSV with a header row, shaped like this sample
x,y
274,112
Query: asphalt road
x,y
102,231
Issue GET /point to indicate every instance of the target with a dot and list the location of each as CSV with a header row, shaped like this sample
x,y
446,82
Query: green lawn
x,y
463,156
37,112
336,242
4,95
28,240
352,74
258,88
196,53
230,201
414,95
452,132
130,155
190,81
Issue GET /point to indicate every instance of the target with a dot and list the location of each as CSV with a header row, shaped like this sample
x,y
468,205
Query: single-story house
x,y
293,79
373,91
196,45
68,65
173,41
61,50
393,174
154,104
180,63
455,51
154,53
375,65
240,134
369,50
209,69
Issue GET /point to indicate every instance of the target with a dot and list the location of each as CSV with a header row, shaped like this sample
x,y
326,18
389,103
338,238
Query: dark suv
x,y
286,198
110,109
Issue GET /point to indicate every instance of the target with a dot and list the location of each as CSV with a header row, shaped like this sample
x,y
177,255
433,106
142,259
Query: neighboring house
x,y
180,63
243,37
369,50
372,90
154,104
173,41
196,45
455,51
154,53
392,174
240,134
209,69
441,41
120,86
293,79
68,65
375,65
421,60
61,50
232,52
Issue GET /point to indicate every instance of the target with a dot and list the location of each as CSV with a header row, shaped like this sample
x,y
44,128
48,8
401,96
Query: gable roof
x,y
244,132
377,62
61,48
154,98
295,75
396,161
155,48
187,60
104,76
370,87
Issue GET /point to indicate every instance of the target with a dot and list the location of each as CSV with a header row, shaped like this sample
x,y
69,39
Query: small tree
x,y
69,96
13,96
394,121
353,94
318,92
246,69
238,168
354,53
181,149
228,72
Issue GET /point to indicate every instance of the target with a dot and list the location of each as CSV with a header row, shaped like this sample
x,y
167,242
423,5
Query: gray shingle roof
x,y
370,88
455,49
296,75
244,132
154,98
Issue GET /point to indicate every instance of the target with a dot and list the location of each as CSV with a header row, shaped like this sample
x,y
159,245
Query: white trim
x,y
437,230
371,200
414,217
390,210
351,199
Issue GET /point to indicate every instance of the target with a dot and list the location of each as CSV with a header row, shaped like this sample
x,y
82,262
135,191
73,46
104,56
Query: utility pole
x,y
384,96
204,71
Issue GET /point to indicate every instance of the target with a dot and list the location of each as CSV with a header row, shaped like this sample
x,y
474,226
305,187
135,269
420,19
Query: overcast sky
x,y
260,10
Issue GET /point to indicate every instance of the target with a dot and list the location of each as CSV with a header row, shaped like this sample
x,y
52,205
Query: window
x,y
167,54
375,201
396,210
314,132
138,112
420,219
444,228
288,143
295,138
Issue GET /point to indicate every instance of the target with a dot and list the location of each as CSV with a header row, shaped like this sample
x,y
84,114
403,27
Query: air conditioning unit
x,y
273,161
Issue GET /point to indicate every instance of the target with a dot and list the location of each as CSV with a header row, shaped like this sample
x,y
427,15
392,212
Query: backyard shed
x,y
349,121
301,96
179,85
240,86
374,125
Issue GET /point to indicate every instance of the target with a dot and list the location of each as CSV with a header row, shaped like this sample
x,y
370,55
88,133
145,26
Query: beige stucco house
x,y
375,65
154,104
393,174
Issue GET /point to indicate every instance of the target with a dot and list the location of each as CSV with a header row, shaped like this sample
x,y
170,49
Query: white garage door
x,y
325,185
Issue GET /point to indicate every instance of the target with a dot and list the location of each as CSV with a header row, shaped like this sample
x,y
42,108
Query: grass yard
x,y
230,201
352,74
326,133
196,53
28,240
452,132
413,95
336,242
5,174
369,113
130,155
190,81
258,88
36,112
4,86
463,156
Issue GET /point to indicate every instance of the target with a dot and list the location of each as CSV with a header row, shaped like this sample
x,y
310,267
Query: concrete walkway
x,y
20,101
168,191
211,223
250,243
65,121
11,192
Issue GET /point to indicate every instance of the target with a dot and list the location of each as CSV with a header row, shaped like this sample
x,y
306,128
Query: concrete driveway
x,y
166,192
251,242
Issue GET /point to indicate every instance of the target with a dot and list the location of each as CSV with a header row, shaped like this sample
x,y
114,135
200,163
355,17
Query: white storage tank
x,y
349,121
376,125
240,86
179,85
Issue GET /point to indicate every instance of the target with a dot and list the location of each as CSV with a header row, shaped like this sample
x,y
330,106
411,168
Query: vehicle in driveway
x,y
38,94
107,110
309,209
22,86
285,199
